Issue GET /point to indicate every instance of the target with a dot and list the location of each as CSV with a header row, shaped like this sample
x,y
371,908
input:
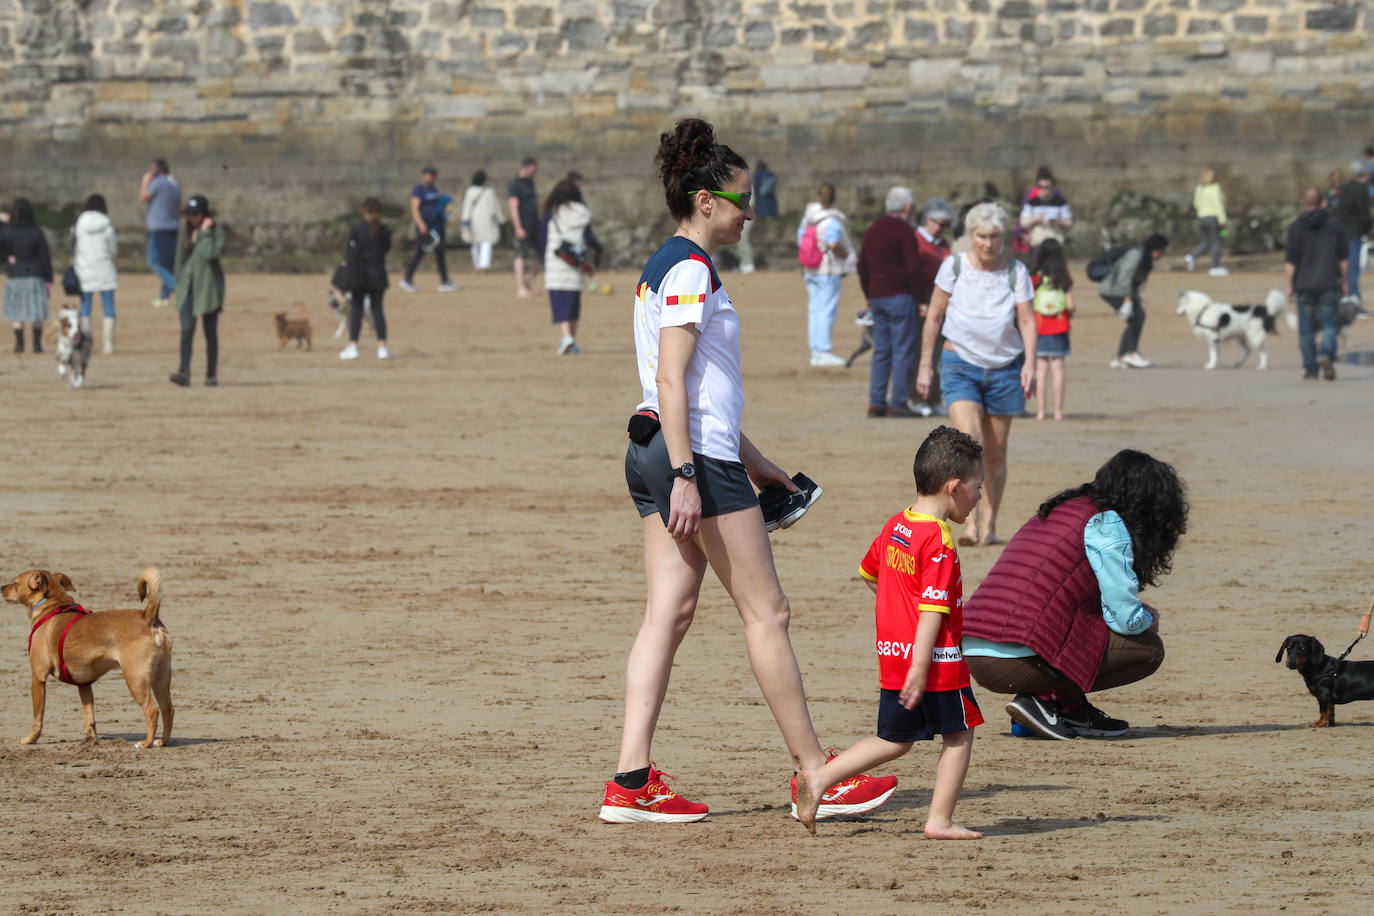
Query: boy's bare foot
x,y
951,831
989,540
1059,416
967,540
1041,416
808,801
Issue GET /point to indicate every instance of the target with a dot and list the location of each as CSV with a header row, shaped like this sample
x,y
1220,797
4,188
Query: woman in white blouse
x,y
982,305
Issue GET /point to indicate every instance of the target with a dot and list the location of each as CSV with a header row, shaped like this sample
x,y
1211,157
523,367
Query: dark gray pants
x,y
1211,239
210,323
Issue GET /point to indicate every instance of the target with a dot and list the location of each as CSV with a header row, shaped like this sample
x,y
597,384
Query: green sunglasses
x,y
738,198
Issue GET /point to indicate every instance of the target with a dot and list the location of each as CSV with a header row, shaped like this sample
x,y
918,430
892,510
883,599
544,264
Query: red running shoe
x,y
654,802
856,795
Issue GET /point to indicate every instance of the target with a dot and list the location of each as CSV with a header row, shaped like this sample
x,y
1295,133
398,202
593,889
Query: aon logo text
x,y
935,594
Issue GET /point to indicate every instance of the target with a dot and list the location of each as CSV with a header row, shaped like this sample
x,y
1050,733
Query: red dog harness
x,y
62,673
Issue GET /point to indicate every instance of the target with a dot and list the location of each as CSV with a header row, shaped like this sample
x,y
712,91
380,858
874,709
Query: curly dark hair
x,y
690,159
1150,498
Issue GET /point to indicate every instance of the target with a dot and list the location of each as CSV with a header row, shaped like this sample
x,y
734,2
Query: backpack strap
x,y
1011,271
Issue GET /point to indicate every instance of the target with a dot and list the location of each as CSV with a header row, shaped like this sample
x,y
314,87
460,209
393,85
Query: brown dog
x,y
77,646
297,329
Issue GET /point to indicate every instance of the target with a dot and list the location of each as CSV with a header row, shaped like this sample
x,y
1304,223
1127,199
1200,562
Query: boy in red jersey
x,y
914,569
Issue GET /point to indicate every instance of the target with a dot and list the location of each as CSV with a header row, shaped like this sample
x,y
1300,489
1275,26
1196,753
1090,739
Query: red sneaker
x,y
856,795
654,802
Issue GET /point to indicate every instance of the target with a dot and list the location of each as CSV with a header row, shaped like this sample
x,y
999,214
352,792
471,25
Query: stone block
x,y
178,49
487,17
1219,6
1203,26
1117,28
533,17
308,41
675,12
122,91
322,15
584,35
826,34
221,44
1016,9
1333,19
794,36
922,30
871,35
960,30
403,19
759,36
1129,6
721,35
263,15
1159,26
171,25
351,45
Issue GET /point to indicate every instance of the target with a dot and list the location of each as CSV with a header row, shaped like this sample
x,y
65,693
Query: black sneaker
x,y
1040,716
1090,722
180,378
782,509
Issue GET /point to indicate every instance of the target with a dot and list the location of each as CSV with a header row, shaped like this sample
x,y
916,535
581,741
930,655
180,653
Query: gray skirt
x,y
26,299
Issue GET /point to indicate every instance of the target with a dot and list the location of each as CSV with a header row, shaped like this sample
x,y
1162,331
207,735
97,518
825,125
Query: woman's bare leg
x,y
967,417
1056,370
674,573
1042,368
741,556
996,430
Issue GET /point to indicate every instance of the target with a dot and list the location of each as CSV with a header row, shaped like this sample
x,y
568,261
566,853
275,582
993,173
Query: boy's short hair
x,y
946,453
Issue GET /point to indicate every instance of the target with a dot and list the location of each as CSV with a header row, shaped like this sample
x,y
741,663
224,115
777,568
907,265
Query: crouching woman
x,y
1059,615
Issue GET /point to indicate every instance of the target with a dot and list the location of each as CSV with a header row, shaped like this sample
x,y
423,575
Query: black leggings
x,y
355,313
208,321
1125,660
1130,338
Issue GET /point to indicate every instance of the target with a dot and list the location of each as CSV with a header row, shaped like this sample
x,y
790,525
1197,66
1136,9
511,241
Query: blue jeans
x,y
823,300
1313,309
895,350
106,303
1354,284
162,256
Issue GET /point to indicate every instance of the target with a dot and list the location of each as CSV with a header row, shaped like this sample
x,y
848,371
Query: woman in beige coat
x,y
481,220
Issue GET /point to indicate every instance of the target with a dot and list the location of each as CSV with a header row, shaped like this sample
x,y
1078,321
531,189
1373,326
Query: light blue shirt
x,y
1108,545
164,204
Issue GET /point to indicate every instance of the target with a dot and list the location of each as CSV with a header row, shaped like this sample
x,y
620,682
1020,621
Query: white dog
x,y
1218,321
341,303
74,346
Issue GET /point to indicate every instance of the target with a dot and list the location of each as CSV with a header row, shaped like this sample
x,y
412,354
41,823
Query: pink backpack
x,y
809,253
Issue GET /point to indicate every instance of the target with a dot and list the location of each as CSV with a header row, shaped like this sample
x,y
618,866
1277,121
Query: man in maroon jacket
x,y
890,274
932,249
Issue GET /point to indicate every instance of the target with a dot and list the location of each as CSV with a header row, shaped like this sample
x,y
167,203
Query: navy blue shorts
x,y
940,712
723,485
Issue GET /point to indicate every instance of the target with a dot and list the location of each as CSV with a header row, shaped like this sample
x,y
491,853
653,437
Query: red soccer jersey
x,y
914,562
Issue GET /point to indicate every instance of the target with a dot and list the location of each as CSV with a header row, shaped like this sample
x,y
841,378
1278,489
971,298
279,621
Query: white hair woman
x,y
982,305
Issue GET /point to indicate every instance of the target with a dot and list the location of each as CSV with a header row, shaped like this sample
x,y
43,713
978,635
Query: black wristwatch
x,y
686,472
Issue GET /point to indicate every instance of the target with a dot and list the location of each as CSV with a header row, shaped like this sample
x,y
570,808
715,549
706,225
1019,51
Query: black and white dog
x,y
74,346
1218,321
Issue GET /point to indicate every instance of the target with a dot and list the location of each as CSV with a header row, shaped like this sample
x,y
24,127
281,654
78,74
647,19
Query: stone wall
x,y
287,113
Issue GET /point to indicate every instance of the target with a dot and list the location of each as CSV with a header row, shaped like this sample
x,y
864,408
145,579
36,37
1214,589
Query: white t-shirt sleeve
x,y
686,295
1023,291
944,277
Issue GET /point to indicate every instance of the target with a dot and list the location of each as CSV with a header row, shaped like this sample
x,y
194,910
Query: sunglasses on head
x,y
738,198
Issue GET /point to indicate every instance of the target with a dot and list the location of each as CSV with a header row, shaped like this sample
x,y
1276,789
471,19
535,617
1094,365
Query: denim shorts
x,y
997,391
1052,345
940,712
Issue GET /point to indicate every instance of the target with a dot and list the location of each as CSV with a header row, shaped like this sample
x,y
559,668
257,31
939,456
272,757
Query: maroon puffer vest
x,y
1042,593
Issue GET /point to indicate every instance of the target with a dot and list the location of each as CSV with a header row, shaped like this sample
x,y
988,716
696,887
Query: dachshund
x,y
1331,682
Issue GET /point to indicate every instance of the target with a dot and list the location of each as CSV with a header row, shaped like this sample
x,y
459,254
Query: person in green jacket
x,y
1121,290
1210,203
199,286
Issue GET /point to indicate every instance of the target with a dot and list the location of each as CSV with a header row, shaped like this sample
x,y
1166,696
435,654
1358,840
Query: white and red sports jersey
x,y
680,287
916,567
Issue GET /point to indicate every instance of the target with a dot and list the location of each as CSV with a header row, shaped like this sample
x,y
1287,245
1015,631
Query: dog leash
x,y
1363,632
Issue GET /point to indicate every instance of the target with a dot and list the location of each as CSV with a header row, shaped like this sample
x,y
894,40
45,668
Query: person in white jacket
x,y
481,220
569,221
93,256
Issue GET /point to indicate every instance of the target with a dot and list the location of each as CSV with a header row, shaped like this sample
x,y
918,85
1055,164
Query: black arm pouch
x,y
643,427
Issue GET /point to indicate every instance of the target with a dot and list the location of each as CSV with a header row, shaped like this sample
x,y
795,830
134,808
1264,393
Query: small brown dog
x,y
297,329
78,646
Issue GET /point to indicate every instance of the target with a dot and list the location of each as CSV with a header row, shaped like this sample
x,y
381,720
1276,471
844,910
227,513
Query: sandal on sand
x,y
967,540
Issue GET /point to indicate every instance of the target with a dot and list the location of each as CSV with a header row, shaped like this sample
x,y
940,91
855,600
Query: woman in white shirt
x,y
689,469
481,220
982,305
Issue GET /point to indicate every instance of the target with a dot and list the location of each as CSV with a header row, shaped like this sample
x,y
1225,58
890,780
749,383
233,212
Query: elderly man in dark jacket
x,y
1315,259
890,274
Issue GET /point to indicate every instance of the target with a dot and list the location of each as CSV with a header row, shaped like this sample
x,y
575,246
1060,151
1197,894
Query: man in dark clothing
x,y
1352,209
1315,260
523,202
890,274
427,207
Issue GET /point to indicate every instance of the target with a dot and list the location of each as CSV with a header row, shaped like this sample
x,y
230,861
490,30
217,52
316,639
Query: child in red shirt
x,y
914,569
